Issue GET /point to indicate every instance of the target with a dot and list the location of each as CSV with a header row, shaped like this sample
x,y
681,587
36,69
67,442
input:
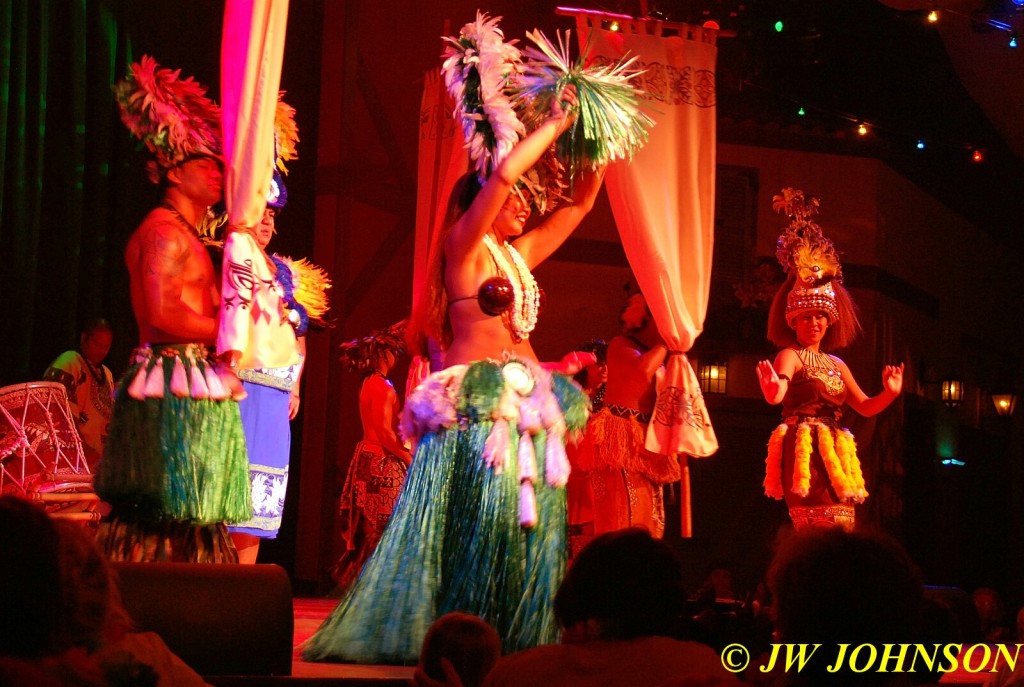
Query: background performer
x,y
812,460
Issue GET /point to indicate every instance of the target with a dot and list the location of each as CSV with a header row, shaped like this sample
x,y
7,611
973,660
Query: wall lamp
x,y
952,392
713,377
1005,403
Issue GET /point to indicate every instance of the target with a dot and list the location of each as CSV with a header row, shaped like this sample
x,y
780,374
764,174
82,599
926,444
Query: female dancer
x,y
378,467
480,525
811,312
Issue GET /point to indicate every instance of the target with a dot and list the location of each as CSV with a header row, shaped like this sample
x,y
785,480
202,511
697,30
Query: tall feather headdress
x,y
478,69
804,251
170,115
286,134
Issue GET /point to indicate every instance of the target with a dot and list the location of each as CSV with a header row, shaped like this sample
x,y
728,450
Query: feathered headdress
x,y
478,68
499,98
170,115
286,138
805,252
361,354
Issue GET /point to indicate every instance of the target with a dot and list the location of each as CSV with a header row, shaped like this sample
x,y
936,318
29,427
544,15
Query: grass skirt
x,y
169,541
614,442
455,542
621,478
171,457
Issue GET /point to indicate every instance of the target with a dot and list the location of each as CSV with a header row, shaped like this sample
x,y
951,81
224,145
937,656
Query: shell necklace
x,y
190,228
822,367
523,317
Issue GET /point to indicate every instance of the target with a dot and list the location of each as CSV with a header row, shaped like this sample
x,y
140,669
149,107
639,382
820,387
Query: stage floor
x,y
309,613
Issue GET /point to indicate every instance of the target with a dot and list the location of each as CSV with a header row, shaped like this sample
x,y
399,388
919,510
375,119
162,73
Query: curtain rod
x,y
598,14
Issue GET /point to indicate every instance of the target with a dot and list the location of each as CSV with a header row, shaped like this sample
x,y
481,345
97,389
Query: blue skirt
x,y
269,439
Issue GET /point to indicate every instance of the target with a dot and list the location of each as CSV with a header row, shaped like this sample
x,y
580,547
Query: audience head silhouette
x,y
624,584
467,642
29,581
835,587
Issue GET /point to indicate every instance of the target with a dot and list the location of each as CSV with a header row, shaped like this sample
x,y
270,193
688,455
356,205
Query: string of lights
x,y
865,128
1002,15
868,121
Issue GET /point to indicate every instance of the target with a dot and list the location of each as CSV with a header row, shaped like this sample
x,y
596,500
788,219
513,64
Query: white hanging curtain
x,y
663,202
251,53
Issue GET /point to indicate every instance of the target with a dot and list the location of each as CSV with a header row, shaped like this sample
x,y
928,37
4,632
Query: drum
x,y
41,456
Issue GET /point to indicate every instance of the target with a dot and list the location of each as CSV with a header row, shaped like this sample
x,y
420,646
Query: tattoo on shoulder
x,y
163,249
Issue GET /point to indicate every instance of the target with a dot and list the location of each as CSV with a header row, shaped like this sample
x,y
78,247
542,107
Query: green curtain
x,y
62,221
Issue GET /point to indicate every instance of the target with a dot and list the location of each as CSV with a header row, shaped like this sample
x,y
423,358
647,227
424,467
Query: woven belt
x,y
813,419
622,411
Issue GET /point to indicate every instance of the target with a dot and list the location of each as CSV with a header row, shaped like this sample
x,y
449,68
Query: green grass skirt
x,y
455,543
173,458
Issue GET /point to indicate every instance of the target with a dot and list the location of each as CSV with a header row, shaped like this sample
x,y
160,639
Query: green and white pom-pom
x,y
609,126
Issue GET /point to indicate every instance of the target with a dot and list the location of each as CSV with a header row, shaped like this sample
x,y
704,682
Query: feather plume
x,y
311,284
286,134
802,247
170,115
305,288
209,228
478,67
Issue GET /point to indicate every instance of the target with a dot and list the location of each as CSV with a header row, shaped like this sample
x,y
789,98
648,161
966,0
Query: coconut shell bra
x,y
495,296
